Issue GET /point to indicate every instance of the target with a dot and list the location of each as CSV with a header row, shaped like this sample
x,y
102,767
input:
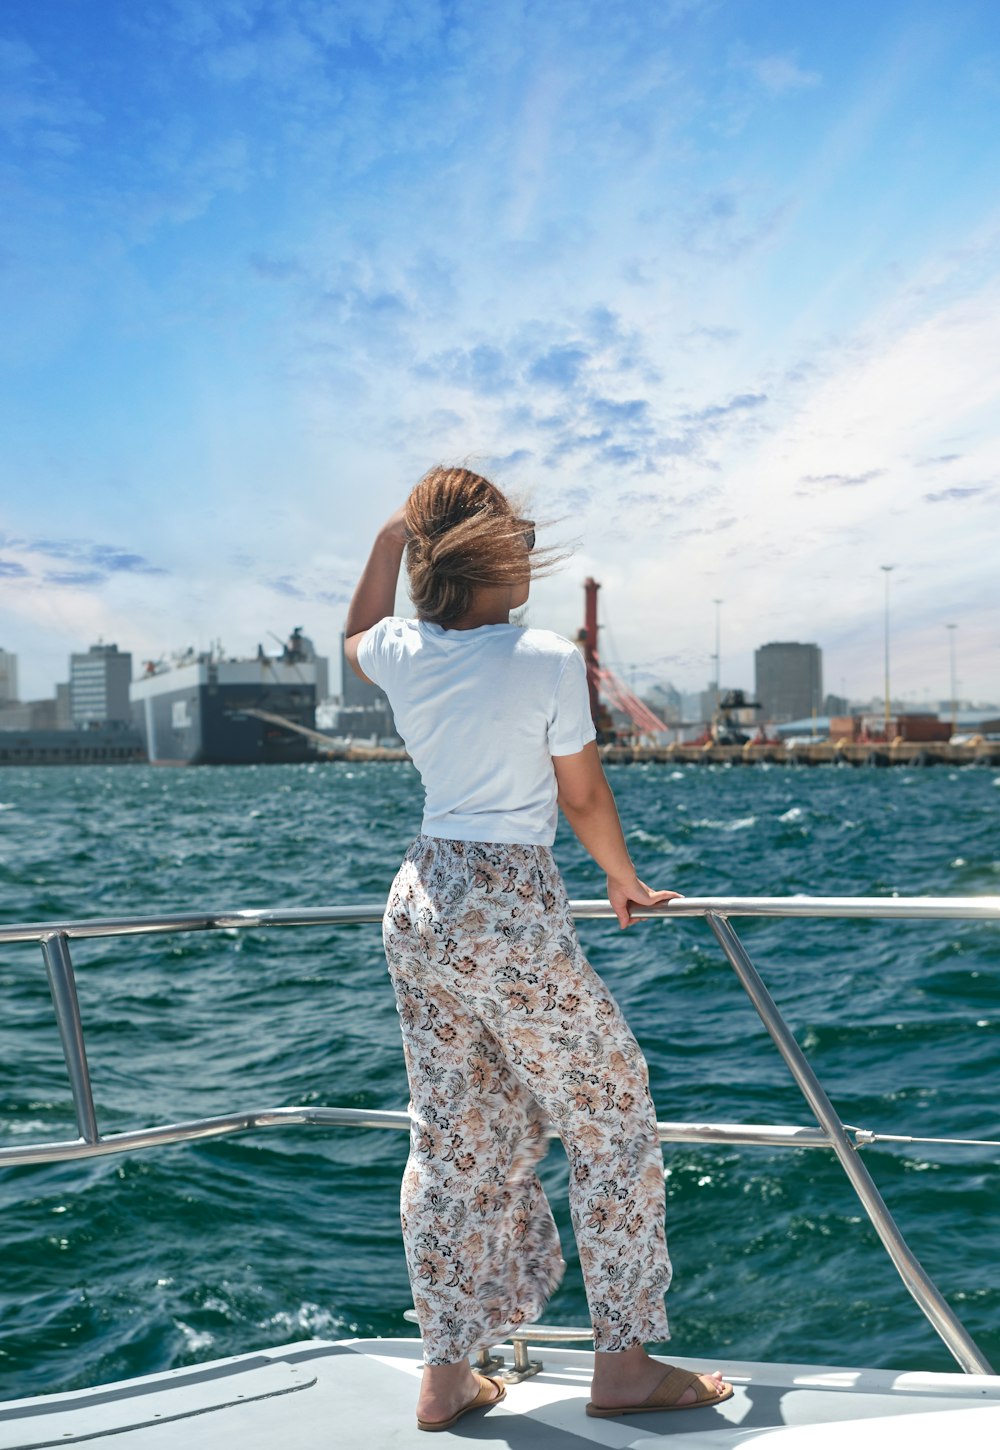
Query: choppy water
x,y
130,1265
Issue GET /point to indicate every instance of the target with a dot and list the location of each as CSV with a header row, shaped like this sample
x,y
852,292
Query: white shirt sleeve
x,y
570,726
372,653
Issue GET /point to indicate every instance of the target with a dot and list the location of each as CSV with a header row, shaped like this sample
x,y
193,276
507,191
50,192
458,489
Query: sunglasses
x,y
528,533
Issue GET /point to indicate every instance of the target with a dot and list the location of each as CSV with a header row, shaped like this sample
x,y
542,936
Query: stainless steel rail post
x,y
912,1273
62,985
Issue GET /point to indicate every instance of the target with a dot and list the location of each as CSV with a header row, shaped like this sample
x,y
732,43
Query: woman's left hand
x,y
626,893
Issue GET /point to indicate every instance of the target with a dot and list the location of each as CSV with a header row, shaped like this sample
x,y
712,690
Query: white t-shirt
x,y
482,712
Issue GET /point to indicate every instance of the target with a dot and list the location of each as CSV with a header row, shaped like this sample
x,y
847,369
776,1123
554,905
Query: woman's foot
x,y
448,1389
630,1377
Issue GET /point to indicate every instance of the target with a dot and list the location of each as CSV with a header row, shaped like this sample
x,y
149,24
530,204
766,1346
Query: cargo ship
x,y
211,709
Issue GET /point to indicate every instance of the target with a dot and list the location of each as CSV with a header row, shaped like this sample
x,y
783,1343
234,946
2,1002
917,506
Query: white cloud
x,y
779,74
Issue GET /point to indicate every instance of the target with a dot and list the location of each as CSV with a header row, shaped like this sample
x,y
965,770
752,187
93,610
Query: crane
x,y
600,677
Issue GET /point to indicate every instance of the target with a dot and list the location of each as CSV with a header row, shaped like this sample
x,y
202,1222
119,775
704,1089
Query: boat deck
x,y
360,1395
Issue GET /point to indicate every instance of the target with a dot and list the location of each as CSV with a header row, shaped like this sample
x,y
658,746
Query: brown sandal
x,y
491,1392
666,1395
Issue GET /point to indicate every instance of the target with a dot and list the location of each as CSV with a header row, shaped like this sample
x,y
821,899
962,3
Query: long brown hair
x,y
463,533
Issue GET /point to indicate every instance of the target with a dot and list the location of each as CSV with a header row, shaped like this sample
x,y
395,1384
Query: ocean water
x,y
127,1265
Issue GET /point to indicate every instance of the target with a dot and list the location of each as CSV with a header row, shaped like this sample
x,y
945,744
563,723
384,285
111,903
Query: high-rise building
x,y
788,680
8,678
64,713
98,684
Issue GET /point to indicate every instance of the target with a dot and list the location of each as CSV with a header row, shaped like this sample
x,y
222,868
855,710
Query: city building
x,y
64,712
112,744
8,678
98,685
691,706
788,680
29,715
665,700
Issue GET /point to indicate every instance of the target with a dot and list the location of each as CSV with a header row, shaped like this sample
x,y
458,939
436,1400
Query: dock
x,y
912,753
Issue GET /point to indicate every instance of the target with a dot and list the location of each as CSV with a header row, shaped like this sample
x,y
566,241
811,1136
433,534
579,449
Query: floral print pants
x,y
507,1030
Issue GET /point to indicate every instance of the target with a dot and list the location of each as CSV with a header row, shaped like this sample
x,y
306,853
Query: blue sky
x,y
715,284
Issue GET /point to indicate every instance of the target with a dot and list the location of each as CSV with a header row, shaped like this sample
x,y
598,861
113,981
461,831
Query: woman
x,y
506,1028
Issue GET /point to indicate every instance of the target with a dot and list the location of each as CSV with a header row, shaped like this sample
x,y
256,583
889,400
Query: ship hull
x,y
197,715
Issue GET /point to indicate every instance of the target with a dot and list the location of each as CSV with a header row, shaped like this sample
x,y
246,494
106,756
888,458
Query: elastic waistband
x,y
478,848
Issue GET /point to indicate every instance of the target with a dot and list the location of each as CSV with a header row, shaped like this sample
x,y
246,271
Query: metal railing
x,y
831,1133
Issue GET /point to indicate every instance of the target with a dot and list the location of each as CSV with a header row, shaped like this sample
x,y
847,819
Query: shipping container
x,y
923,728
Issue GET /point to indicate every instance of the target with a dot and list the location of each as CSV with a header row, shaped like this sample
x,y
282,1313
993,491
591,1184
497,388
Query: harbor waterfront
x,y
124,747
124,1266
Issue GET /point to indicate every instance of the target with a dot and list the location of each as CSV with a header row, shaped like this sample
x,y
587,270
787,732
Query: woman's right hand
x,y
626,892
395,526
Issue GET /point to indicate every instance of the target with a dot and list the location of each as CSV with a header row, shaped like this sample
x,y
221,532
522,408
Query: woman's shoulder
x,y
545,642
393,636
394,626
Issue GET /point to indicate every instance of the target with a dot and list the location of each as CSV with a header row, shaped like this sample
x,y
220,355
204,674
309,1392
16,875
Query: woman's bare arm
x,y
588,804
375,595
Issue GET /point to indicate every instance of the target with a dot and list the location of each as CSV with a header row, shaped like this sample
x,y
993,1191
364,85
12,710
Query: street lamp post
x,y
718,654
954,685
887,570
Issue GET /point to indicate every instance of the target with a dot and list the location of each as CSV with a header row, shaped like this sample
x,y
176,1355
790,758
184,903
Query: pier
x,y
912,753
